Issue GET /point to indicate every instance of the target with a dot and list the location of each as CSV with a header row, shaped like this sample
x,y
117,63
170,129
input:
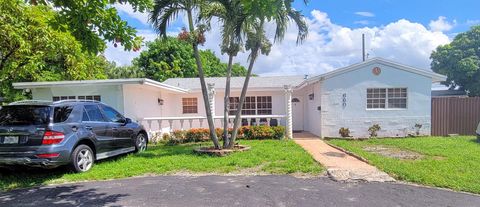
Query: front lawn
x,y
452,162
266,156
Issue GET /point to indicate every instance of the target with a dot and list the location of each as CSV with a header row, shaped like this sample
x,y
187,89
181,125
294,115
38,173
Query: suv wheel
x,y
140,143
82,159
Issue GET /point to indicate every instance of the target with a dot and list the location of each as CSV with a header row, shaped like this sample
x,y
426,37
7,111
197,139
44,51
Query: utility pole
x,y
363,47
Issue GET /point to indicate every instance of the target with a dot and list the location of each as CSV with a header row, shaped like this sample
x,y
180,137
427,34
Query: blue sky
x,y
405,31
385,11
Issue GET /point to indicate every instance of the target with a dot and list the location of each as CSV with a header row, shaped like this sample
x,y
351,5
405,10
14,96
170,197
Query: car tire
x,y
83,159
141,142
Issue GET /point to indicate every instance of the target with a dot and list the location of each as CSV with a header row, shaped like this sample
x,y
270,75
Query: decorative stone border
x,y
221,152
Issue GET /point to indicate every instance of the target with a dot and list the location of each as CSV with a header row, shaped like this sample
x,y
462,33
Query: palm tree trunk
x,y
227,103
236,124
201,74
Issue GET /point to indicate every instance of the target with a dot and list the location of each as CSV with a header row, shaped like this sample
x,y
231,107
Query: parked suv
x,y
75,133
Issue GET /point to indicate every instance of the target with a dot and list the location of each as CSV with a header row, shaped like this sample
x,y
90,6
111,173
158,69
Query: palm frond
x,y
164,12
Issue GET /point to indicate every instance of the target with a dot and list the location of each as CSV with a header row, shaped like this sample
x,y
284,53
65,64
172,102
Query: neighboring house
x,y
448,93
376,91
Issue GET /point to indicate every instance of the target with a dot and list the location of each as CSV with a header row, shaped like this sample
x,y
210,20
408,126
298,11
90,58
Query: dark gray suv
x,y
76,133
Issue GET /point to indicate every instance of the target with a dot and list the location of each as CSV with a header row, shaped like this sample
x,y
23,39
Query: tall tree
x,y
94,22
233,19
460,61
171,58
278,12
166,11
32,50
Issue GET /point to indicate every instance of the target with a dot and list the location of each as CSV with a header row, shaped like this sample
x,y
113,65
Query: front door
x,y
297,113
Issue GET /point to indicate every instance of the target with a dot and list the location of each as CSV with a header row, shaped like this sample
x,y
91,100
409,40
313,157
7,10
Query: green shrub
x,y
177,137
344,132
197,135
245,132
374,129
279,132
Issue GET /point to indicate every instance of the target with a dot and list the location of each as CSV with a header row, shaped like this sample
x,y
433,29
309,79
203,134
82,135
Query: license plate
x,y
10,140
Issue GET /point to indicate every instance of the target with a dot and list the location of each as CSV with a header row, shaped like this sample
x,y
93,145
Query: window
x,y
24,115
93,97
112,115
264,105
397,98
260,105
189,105
94,113
391,98
61,113
60,98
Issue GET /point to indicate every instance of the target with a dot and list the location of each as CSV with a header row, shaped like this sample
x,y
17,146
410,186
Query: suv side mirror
x,y
128,121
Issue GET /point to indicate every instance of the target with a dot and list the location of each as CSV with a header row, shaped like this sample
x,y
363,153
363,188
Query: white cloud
x,y
128,10
365,14
470,22
330,46
441,24
122,57
362,22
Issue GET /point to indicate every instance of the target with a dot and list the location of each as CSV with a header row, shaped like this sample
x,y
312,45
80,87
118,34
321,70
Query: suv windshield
x,y
24,115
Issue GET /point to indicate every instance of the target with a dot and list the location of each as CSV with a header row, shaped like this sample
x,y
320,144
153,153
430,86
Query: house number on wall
x,y
376,70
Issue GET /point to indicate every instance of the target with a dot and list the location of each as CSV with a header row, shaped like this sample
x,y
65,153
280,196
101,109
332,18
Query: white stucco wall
x,y
356,116
111,94
311,115
172,106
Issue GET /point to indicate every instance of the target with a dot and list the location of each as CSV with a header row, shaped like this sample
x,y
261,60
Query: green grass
x,y
452,162
266,156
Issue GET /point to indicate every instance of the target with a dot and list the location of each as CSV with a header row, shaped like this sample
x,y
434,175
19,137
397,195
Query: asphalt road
x,y
234,191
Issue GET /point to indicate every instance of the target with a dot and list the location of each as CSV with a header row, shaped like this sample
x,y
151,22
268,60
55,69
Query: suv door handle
x,y
115,128
88,127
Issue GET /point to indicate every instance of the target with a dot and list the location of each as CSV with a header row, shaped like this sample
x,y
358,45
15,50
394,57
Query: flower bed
x,y
246,132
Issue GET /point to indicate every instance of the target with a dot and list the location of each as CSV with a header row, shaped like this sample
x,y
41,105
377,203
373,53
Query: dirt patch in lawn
x,y
394,152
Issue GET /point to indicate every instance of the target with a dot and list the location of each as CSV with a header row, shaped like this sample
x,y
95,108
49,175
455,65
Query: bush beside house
x,y
202,134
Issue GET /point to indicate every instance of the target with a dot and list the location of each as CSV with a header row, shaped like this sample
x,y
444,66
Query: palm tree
x,y
231,14
164,12
281,12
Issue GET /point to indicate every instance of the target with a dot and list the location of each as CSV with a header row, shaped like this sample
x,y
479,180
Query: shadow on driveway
x,y
59,196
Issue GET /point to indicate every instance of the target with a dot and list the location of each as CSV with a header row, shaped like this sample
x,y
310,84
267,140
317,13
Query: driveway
x,y
234,191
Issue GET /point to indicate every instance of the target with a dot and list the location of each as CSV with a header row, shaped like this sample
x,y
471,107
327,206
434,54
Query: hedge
x,y
246,132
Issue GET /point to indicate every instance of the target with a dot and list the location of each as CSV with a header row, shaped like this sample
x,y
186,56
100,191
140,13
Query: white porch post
x,y
211,97
288,104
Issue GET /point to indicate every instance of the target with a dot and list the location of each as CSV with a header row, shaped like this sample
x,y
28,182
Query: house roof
x,y
142,81
271,82
424,72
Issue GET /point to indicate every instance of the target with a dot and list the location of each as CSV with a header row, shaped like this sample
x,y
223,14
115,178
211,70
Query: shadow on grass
x,y
73,195
12,177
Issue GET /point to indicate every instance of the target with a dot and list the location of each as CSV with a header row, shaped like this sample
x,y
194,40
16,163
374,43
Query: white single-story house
x,y
377,91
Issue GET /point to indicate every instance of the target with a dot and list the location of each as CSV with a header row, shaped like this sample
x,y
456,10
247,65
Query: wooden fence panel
x,y
455,115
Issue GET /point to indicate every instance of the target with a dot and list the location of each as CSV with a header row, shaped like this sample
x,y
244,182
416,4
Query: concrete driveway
x,y
234,191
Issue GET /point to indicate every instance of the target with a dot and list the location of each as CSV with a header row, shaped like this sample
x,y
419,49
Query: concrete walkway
x,y
340,166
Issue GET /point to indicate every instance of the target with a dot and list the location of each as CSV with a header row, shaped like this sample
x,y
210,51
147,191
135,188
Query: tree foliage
x,y
172,58
95,22
32,50
460,61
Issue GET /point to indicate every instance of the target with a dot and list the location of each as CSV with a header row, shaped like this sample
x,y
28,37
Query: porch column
x,y
288,104
211,97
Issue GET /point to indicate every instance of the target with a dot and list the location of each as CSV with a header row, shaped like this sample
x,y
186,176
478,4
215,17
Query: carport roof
x,y
141,81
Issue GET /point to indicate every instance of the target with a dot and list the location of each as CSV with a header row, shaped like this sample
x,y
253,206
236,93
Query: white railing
x,y
172,123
